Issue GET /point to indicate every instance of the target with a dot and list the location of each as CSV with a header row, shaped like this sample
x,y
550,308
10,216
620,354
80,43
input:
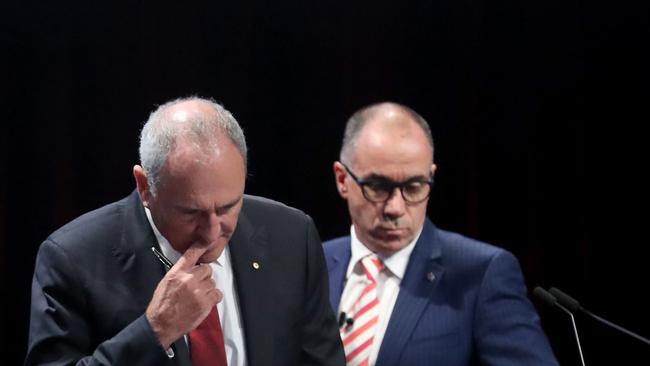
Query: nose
x,y
395,206
210,229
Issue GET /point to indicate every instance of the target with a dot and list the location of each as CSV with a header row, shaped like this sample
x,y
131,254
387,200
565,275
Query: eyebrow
x,y
384,179
230,204
220,208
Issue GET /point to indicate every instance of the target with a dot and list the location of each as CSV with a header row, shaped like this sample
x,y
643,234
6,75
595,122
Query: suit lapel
x,y
140,266
337,269
421,277
248,249
133,252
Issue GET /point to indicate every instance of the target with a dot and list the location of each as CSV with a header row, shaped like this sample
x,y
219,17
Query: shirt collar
x,y
396,262
167,248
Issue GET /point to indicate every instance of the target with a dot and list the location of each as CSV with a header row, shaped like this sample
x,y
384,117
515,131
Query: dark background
x,y
537,108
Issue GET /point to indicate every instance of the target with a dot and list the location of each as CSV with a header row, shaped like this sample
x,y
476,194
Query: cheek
x,y
363,212
180,229
229,223
418,214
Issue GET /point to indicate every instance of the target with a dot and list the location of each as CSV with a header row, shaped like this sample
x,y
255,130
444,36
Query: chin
x,y
208,258
391,244
211,255
388,246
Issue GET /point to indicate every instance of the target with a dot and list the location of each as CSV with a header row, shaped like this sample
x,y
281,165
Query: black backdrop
x,y
537,109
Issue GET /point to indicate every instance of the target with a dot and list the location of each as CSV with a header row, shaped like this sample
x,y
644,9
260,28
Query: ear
x,y
340,177
433,170
142,185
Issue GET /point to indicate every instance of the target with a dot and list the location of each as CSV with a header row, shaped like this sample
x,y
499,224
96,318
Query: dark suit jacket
x,y
95,276
460,300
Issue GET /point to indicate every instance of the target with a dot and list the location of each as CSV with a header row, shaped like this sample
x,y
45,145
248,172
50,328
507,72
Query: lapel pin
x,y
431,277
256,265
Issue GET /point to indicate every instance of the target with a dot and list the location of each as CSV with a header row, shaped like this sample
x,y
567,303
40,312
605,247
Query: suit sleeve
x,y
507,329
321,343
61,323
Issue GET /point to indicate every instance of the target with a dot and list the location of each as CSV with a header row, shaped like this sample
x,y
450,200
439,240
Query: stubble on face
x,y
393,146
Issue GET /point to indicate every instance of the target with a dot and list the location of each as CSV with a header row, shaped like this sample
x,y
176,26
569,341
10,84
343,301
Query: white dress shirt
x,y
388,283
229,314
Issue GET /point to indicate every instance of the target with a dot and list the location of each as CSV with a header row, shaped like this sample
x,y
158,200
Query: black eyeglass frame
x,y
392,185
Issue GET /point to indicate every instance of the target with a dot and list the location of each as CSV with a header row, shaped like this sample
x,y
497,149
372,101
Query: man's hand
x,y
183,298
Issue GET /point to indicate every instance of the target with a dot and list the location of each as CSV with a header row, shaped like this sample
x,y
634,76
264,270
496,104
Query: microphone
x,y
572,304
343,319
551,300
545,296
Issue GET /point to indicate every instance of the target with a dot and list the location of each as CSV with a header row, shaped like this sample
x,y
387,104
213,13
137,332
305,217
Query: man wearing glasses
x,y
406,292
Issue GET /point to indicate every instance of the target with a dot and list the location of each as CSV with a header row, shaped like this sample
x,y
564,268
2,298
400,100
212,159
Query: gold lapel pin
x,y
431,276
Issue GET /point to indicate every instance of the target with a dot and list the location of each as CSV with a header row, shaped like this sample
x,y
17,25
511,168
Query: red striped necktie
x,y
357,338
206,342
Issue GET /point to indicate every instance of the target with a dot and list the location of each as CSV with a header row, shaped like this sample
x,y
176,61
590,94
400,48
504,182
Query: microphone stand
x,y
551,300
574,305
575,331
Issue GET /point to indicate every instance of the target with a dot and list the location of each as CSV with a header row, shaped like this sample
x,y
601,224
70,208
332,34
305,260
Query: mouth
x,y
211,254
391,231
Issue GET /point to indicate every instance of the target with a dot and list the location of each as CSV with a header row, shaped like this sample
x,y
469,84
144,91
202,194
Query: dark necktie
x,y
206,342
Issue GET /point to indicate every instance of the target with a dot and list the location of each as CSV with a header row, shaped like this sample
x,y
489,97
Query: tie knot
x,y
372,265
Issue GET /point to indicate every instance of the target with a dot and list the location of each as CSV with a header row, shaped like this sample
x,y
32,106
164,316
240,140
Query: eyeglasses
x,y
379,190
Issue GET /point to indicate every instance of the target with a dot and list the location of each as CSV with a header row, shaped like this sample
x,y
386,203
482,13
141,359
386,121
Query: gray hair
x,y
159,135
357,122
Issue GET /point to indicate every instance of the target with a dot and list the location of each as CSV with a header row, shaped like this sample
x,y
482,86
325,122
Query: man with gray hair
x,y
187,270
408,293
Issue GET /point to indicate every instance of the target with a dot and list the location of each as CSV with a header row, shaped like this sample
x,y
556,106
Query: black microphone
x,y
343,319
545,296
551,300
572,304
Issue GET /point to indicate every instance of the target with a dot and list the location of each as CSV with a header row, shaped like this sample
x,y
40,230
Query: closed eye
x,y
379,186
414,187
224,210
188,211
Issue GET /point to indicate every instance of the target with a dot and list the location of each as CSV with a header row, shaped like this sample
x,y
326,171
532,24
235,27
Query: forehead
x,y
209,175
393,147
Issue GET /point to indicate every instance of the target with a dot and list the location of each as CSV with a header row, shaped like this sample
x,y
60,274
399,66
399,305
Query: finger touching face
x,y
199,199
